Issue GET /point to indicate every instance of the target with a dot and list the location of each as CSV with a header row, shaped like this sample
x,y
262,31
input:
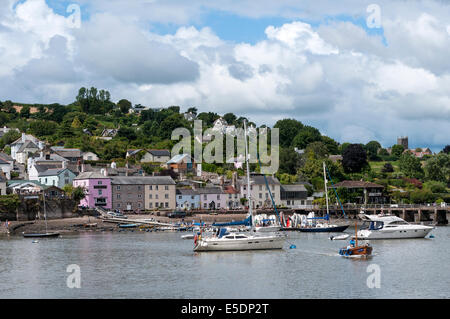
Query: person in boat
x,y
352,244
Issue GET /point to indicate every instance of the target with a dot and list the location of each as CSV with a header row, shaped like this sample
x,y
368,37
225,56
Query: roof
x,y
91,175
210,190
6,157
67,152
178,158
133,152
293,188
186,191
27,144
159,152
259,179
230,190
142,180
357,184
53,171
3,161
43,167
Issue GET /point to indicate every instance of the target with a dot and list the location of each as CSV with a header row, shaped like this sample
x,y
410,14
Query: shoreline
x,y
86,223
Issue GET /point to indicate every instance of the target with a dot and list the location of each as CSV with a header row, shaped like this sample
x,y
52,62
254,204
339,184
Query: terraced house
x,y
139,193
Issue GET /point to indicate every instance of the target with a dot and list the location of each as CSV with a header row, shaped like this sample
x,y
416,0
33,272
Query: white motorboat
x,y
266,224
252,240
390,227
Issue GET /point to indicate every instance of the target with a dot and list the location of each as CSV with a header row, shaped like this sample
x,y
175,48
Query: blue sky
x,y
316,61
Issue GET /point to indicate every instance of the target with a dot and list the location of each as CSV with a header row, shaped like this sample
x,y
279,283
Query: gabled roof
x,y
142,180
259,179
159,152
53,171
92,175
6,157
210,190
187,192
27,144
293,188
43,167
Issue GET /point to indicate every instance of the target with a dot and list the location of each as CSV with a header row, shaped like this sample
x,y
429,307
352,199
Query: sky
x,y
356,70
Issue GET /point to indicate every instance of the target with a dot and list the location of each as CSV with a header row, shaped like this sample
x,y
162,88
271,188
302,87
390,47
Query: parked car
x,y
116,215
176,214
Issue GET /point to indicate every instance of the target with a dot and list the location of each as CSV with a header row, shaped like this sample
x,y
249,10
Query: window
x,y
139,195
156,196
260,187
156,187
267,195
156,204
166,196
151,205
260,195
150,187
139,205
166,188
118,196
180,197
139,187
99,192
167,204
205,197
118,205
150,196
99,182
118,187
218,197
204,205
218,205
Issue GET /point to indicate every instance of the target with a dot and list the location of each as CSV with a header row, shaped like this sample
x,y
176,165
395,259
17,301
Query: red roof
x,y
230,190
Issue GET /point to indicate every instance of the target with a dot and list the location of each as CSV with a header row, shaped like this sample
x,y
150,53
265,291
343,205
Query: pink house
x,y
97,187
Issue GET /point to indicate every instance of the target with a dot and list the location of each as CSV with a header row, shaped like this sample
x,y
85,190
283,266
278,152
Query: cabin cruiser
x,y
224,240
390,227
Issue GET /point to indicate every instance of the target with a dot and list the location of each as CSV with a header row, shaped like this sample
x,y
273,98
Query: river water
x,y
162,265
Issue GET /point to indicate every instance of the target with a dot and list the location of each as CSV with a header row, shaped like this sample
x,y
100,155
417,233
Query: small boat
x,y
40,235
355,250
47,234
188,236
340,237
128,225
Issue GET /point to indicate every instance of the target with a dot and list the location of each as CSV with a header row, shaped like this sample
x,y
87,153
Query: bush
x,y
422,196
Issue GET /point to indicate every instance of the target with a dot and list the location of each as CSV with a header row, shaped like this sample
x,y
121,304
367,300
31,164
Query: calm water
x,y
161,265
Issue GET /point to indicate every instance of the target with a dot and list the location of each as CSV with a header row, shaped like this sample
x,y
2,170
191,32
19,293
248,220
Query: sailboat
x,y
354,250
316,227
47,233
223,240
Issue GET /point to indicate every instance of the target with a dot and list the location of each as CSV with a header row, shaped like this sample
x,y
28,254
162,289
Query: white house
x,y
23,146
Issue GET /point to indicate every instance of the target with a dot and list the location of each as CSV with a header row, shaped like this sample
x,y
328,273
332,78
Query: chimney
x,y
82,168
23,137
64,164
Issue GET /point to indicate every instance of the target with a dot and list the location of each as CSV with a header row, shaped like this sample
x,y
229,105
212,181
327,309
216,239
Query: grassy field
x,y
377,166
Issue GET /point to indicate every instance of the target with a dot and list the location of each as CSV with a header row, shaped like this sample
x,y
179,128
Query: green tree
x,y
437,168
288,129
411,166
306,136
372,150
289,161
397,150
124,106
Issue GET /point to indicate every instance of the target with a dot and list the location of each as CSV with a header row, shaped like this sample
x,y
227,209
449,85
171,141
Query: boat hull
x,y
335,229
364,250
262,243
406,233
39,235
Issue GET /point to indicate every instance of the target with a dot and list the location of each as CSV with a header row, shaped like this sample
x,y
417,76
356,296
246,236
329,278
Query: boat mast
x,y
356,235
250,210
326,189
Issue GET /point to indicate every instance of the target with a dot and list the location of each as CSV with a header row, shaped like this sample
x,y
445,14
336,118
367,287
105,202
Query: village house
x,y
294,196
160,193
58,177
139,193
258,190
212,198
187,199
73,155
24,145
182,164
97,187
233,197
